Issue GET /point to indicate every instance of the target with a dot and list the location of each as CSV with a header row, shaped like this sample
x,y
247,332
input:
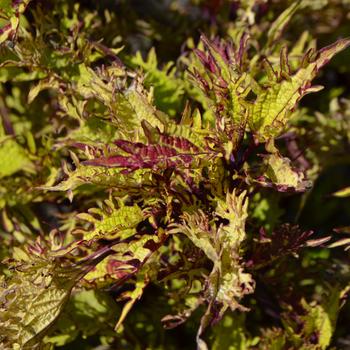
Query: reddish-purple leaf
x,y
144,156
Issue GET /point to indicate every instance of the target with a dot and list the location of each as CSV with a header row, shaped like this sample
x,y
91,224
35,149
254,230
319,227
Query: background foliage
x,y
173,176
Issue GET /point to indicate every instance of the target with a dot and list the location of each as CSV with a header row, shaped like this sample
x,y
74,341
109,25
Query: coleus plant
x,y
163,195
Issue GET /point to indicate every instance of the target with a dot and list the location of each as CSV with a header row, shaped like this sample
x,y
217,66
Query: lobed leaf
x,y
10,12
112,222
32,299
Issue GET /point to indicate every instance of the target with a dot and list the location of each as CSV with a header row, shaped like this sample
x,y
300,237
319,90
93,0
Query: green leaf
x,y
32,299
111,222
317,319
227,282
231,334
272,339
48,83
345,192
128,107
280,23
196,227
168,90
142,280
13,158
101,176
280,172
88,312
10,12
234,283
269,113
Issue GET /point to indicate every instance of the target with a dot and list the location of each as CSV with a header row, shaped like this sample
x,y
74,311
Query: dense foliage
x,y
161,184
